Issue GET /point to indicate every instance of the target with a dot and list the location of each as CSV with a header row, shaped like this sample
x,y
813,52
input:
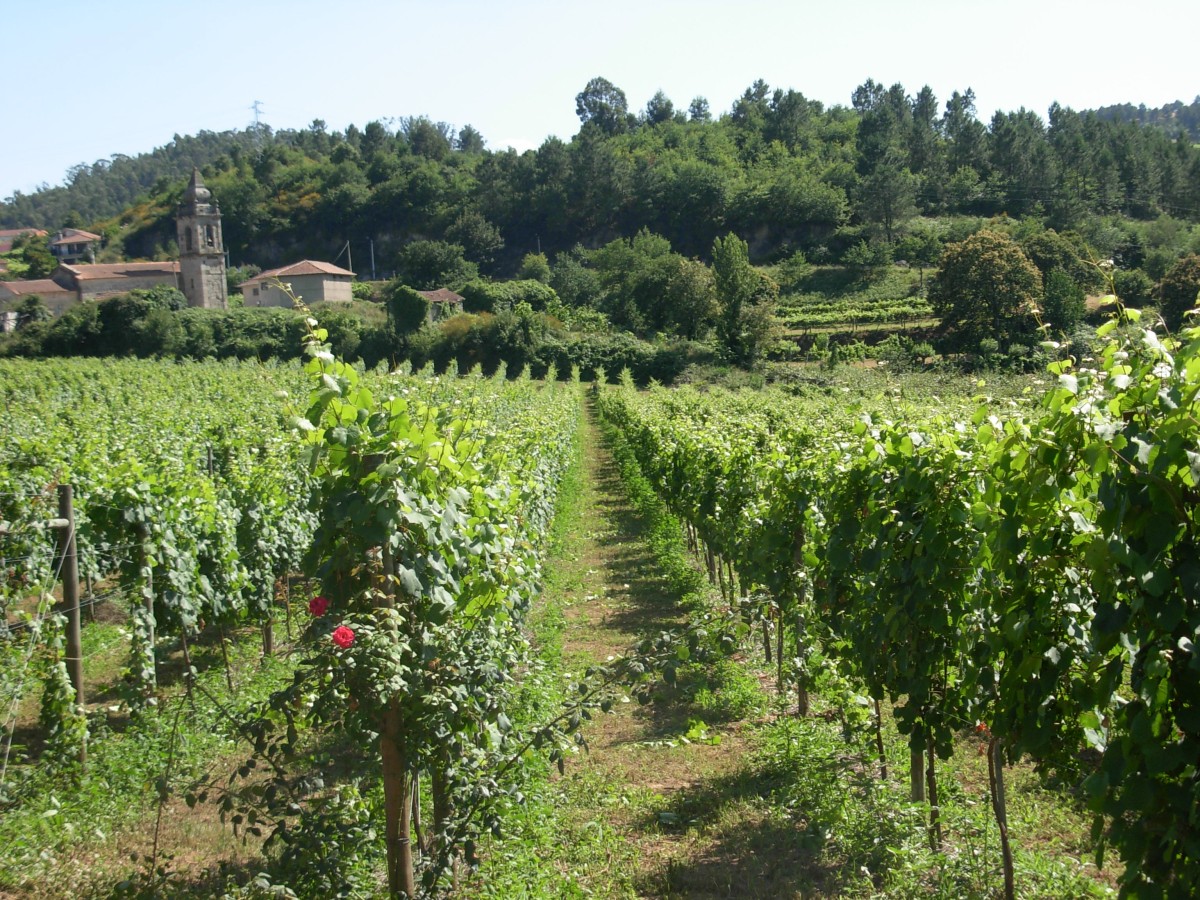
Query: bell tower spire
x,y
201,247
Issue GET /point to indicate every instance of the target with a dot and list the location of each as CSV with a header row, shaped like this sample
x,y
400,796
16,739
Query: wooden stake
x,y
916,774
287,605
883,772
187,659
397,787
779,648
70,583
416,812
225,657
148,603
935,813
1000,808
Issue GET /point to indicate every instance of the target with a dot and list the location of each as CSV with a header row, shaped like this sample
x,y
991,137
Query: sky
x,y
85,80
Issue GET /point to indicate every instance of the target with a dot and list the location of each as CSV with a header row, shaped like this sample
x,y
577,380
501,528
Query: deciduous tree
x,y
469,140
745,300
1180,290
429,265
407,309
986,288
32,251
1064,303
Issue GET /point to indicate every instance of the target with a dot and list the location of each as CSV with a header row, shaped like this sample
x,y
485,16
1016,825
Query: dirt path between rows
x,y
683,816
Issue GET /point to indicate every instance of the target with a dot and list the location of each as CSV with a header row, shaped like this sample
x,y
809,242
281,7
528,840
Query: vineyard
x,y
847,300
1015,576
1030,575
414,505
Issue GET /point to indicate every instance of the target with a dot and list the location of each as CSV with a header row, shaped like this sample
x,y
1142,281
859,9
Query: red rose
x,y
317,606
343,636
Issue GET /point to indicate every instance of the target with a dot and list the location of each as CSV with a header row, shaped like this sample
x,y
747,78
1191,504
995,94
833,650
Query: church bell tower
x,y
201,248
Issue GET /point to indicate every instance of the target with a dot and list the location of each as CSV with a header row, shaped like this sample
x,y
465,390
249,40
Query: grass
x,y
847,281
556,812
64,833
833,295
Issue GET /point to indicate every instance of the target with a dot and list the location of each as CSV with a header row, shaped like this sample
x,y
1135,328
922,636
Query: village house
x,y
443,303
311,281
73,245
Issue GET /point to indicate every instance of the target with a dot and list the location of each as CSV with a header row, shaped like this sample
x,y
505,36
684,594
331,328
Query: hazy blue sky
x,y
84,80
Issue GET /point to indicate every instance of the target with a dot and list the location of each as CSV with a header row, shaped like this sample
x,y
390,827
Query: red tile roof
x,y
441,295
121,270
304,267
40,286
73,236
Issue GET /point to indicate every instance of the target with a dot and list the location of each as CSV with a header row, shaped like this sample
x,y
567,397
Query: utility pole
x,y
349,260
371,241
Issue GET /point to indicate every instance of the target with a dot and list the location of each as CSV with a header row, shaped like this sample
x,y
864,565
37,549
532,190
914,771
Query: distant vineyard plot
x,y
837,298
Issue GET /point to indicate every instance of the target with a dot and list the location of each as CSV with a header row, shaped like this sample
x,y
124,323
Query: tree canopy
x,y
986,289
774,164
1181,290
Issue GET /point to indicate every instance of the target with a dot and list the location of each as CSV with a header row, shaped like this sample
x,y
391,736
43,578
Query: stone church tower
x,y
201,249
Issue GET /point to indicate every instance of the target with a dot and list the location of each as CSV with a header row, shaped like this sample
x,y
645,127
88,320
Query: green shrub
x,y
1134,287
497,296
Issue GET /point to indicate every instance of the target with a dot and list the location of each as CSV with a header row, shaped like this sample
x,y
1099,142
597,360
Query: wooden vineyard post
x,y
287,605
766,636
883,767
397,778
935,812
70,582
916,774
779,634
1000,808
146,566
225,659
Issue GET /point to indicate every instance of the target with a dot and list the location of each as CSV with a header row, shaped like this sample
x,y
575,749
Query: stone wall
x,y
91,288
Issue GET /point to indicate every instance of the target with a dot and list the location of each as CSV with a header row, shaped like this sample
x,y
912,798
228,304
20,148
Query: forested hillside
x,y
1174,118
779,169
106,187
